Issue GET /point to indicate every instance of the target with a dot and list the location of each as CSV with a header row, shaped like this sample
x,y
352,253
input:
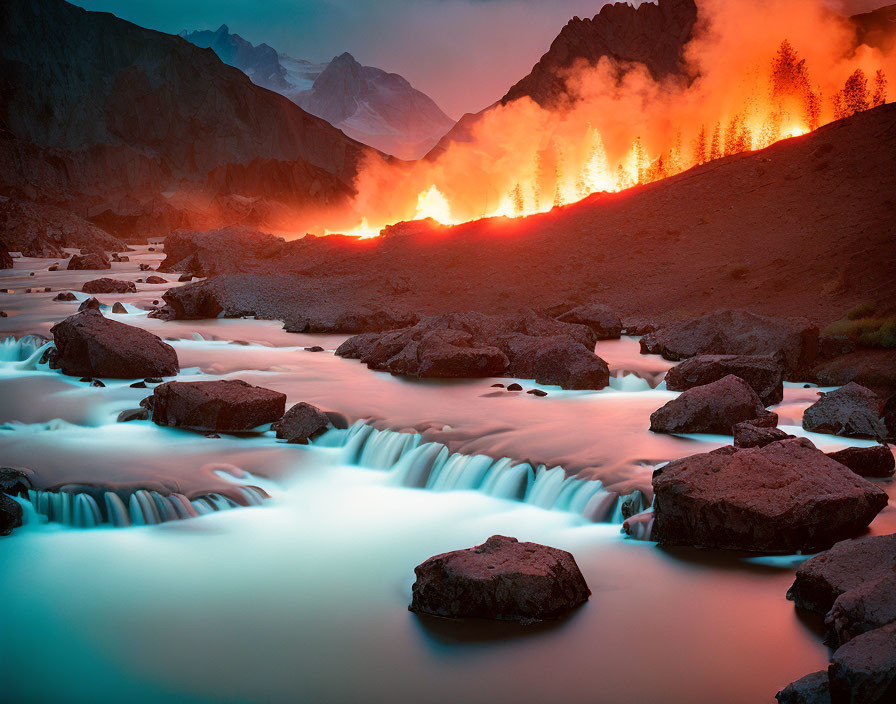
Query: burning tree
x,y
791,87
854,96
700,146
880,89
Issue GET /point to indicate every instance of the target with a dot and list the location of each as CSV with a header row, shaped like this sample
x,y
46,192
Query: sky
x,y
464,54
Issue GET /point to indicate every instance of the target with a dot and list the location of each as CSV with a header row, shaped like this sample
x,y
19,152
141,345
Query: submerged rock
x,y
156,280
786,497
712,408
847,565
106,285
811,689
119,309
301,423
500,579
751,434
739,333
133,414
765,374
228,406
603,321
88,344
862,609
864,670
851,410
92,260
876,461
10,514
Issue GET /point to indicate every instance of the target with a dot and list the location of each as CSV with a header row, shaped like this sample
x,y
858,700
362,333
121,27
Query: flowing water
x,y
299,590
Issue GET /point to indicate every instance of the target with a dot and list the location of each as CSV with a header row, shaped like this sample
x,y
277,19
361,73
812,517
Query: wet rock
x,y
748,434
786,497
537,392
145,267
876,461
301,423
10,514
88,344
53,267
65,296
888,417
862,609
184,278
851,410
498,386
514,387
15,481
138,385
822,579
739,333
602,320
315,348
231,406
133,414
500,579
5,259
93,260
713,408
90,304
764,374
864,670
3,314
109,286
156,280
119,308
811,689
97,383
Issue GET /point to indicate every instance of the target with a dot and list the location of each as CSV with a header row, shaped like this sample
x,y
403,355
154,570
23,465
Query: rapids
x,y
300,592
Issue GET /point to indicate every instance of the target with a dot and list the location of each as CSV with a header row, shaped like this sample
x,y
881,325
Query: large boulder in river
x,y
870,605
500,579
603,321
811,689
786,497
763,373
93,260
712,408
847,565
89,345
864,670
106,285
227,406
301,423
739,333
851,410
876,461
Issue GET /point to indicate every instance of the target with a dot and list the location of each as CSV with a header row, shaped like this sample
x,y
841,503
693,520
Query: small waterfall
x,y
430,465
27,350
82,509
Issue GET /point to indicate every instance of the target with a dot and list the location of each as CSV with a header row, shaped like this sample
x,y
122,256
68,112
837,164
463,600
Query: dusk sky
x,y
463,53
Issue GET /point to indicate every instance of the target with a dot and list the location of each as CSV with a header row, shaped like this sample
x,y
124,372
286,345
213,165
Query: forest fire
x,y
748,84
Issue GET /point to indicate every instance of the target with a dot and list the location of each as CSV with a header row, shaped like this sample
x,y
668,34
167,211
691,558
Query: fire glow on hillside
x,y
755,75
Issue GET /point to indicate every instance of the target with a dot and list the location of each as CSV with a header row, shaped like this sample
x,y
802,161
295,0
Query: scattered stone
x,y
152,249
301,423
133,414
185,277
231,406
31,273
3,314
876,461
53,267
93,260
213,436
847,565
315,348
739,333
748,434
811,689
864,670
90,304
868,606
107,285
500,579
537,392
153,380
712,408
764,374
89,344
10,514
514,387
141,281
119,308
97,383
498,386
786,497
156,280
145,267
138,385
851,410
602,320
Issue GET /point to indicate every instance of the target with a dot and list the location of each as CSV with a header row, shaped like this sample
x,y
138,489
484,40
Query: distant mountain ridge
x,y
377,108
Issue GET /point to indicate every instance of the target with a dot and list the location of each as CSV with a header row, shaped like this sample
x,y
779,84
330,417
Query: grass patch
x,y
866,324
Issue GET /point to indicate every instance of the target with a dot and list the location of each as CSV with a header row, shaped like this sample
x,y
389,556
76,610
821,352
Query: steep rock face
x,y
652,34
41,230
216,251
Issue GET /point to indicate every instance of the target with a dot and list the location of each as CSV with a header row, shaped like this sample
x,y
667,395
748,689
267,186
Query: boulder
x,y
565,362
10,514
90,304
119,309
862,609
748,434
888,417
786,497
89,345
216,251
230,406
15,481
864,670
712,408
764,374
500,579
851,410
109,286
822,579
602,320
811,689
155,280
876,461
133,414
65,296
739,333
93,260
301,423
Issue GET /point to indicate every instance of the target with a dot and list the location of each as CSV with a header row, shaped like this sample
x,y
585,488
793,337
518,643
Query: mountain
x,y
651,34
876,28
136,130
380,109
